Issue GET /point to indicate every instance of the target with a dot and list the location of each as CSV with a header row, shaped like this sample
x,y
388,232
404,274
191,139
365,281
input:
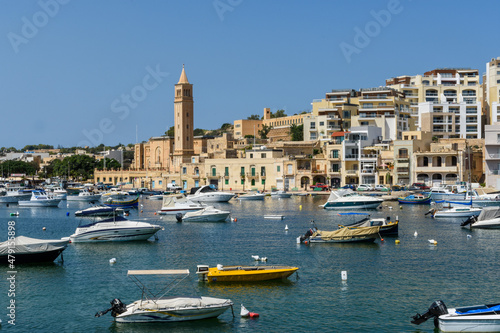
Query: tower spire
x,y
183,78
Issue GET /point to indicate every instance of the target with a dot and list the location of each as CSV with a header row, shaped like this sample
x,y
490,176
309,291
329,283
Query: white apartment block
x,y
492,89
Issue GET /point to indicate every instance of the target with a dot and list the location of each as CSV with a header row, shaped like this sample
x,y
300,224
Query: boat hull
x,y
84,198
352,204
249,274
156,313
457,213
178,210
209,197
415,201
221,217
361,239
476,323
37,257
113,234
41,203
486,224
251,197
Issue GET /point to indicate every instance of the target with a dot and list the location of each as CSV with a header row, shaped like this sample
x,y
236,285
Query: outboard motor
x,y
117,307
435,310
178,216
308,234
470,220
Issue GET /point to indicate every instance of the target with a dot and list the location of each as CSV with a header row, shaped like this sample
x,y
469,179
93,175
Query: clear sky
x,y
89,72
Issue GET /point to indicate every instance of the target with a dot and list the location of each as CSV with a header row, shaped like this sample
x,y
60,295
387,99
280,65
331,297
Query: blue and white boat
x,y
40,198
348,199
475,318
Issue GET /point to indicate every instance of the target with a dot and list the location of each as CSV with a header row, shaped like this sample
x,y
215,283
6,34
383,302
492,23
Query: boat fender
x,y
178,217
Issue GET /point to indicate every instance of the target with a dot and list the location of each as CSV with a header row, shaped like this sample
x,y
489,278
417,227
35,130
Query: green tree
x,y
111,164
10,167
226,127
76,166
171,132
297,132
249,136
254,117
278,114
264,131
198,132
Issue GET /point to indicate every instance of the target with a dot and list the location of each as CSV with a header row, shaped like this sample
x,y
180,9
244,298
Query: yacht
x,y
40,198
489,218
252,196
280,194
348,199
117,228
57,192
178,203
208,194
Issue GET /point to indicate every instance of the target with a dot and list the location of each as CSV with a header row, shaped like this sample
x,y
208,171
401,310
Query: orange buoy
x,y
253,315
155,213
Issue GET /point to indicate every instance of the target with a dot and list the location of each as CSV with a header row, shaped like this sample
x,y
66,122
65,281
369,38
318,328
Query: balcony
x,y
351,157
403,157
226,175
368,156
263,175
334,171
351,172
367,171
493,156
439,169
252,175
211,175
195,175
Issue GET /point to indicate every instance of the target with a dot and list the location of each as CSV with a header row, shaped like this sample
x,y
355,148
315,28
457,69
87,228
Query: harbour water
x,y
386,282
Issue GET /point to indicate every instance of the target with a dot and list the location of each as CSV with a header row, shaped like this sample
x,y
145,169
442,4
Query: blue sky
x,y
69,65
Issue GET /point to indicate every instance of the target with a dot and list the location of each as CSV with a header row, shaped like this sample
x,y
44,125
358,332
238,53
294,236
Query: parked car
x,y
349,186
365,187
421,186
321,186
382,188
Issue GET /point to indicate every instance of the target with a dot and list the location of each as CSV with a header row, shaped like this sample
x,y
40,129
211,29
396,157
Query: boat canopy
x,y
489,213
32,245
346,233
171,200
158,272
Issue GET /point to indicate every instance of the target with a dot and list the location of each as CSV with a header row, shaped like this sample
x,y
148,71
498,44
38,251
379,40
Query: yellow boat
x,y
244,273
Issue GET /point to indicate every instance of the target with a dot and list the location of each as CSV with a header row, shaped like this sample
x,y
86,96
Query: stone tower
x,y
183,124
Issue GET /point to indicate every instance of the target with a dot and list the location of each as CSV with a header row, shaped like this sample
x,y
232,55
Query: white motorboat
x,y
252,196
281,194
14,194
23,249
209,194
40,198
455,212
99,210
447,192
57,191
117,228
207,214
154,307
84,195
178,203
489,218
475,318
348,199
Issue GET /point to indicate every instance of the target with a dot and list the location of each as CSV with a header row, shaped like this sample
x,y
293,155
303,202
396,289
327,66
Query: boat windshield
x,y
113,219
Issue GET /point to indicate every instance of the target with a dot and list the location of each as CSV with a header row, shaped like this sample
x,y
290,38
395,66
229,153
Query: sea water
x,y
386,283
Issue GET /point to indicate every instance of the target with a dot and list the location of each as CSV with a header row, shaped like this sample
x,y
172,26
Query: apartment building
x,y
492,155
491,87
412,142
446,102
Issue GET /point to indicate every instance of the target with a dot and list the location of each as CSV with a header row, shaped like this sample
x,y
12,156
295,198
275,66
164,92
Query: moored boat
x,y
342,235
244,273
117,228
475,318
23,249
252,196
208,194
281,194
40,198
348,199
178,203
130,201
489,218
154,307
84,195
416,199
99,210
387,227
207,214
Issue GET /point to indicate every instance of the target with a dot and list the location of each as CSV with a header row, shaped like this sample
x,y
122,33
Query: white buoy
x,y
469,236
390,207
286,227
343,274
415,234
263,259
255,258
112,260
432,242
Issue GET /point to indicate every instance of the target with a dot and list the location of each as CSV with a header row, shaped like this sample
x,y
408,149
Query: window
x,y
253,182
242,172
242,181
313,136
226,181
335,154
278,168
226,171
251,155
187,114
321,123
313,125
238,125
262,171
263,155
347,114
184,170
335,168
